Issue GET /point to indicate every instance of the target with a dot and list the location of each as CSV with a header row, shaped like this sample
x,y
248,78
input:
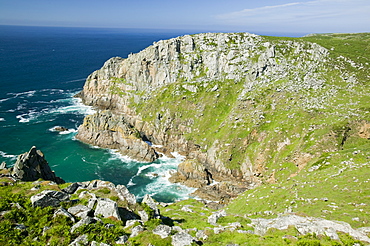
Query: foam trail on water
x,y
5,155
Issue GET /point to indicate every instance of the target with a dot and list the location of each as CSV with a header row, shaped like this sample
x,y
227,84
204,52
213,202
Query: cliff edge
x,y
246,109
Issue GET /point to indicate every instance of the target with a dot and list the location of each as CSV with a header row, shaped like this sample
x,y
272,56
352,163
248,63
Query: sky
x,y
258,16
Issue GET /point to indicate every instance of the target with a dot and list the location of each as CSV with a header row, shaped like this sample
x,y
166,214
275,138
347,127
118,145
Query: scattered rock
x,y
107,208
71,188
81,240
182,239
49,198
83,221
148,200
215,216
144,216
162,230
124,194
80,211
307,225
62,211
94,243
122,239
136,230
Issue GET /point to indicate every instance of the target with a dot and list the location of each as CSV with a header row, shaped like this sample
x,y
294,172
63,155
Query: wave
x,y
5,155
2,119
18,94
72,81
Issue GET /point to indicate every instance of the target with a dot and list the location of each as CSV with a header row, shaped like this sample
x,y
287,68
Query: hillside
x,y
275,130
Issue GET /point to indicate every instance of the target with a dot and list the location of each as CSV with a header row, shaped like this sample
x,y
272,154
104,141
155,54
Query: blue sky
x,y
264,16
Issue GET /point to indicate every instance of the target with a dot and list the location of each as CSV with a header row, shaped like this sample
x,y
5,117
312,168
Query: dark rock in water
x,y
60,129
32,166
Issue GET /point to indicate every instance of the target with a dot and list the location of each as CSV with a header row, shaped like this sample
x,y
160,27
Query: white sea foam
x,y
2,119
68,131
27,117
76,107
5,155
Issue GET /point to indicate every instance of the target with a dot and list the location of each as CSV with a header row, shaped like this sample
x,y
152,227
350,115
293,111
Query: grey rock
x,y
148,200
122,239
71,188
136,230
162,230
144,216
212,219
132,222
94,243
307,225
83,221
64,212
32,166
91,203
124,194
49,198
80,211
3,165
201,235
107,208
81,240
182,239
20,227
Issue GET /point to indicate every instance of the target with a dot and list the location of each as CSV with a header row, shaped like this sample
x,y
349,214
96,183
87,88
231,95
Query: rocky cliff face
x,y
32,166
241,105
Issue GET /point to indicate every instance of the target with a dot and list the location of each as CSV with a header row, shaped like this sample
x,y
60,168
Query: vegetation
x,y
306,131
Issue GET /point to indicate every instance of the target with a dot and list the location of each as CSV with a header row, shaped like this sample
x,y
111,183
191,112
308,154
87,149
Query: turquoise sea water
x,y
41,68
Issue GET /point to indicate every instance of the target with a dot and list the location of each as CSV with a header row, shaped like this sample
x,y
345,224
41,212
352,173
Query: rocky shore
x,y
237,105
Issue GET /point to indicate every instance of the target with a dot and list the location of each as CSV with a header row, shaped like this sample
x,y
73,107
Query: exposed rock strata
x,y
109,130
189,65
32,166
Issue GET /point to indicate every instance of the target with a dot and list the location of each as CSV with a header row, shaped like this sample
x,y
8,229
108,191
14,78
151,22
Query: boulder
x,y
94,243
107,208
136,230
144,216
124,194
80,211
81,240
71,188
49,198
182,239
122,239
83,221
32,166
162,230
62,211
148,200
215,216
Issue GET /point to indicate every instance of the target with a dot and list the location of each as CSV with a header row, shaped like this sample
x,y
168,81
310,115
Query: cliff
x,y
246,109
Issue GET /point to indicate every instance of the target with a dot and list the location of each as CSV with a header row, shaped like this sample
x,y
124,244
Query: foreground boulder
x,y
49,198
32,166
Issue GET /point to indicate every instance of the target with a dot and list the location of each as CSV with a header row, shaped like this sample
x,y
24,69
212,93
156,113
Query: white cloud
x,y
310,16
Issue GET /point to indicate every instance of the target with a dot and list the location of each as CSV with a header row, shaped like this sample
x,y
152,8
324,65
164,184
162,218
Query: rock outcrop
x,y
32,166
112,131
216,98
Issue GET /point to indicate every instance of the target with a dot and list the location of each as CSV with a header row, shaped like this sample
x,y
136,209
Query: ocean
x,y
41,69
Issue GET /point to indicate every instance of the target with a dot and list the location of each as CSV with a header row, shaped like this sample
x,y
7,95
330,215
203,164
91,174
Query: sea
x,y
41,69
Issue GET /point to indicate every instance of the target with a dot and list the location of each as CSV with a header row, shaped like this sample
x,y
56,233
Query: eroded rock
x,y
32,166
